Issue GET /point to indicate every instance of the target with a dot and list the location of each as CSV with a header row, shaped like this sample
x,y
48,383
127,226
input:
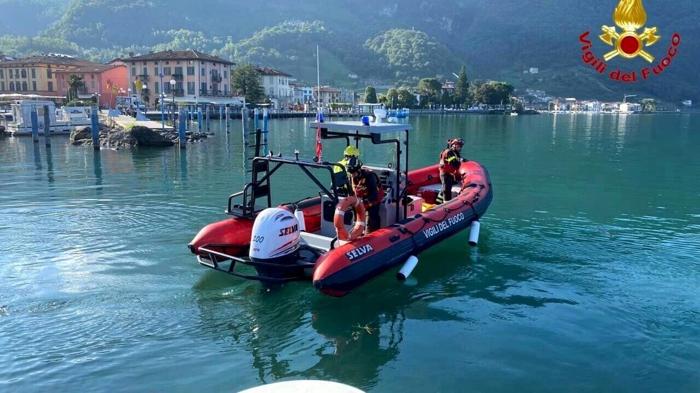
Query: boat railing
x,y
227,263
243,210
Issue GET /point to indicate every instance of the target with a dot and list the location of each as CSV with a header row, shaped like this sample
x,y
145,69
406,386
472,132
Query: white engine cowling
x,y
275,236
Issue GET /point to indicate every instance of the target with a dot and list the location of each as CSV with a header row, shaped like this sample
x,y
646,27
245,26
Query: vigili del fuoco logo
x,y
635,39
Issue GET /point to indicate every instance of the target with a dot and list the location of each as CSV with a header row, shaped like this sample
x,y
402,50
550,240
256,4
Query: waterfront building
x,y
327,95
99,80
48,76
277,86
302,94
198,77
448,87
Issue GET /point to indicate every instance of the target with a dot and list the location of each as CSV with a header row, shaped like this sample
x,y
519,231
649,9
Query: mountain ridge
x,y
377,42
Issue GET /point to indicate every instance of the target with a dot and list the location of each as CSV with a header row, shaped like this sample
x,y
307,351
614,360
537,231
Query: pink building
x,y
102,80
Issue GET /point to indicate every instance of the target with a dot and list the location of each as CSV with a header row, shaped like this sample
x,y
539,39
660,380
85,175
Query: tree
x,y
461,96
406,99
392,97
75,83
430,90
447,99
370,95
245,80
493,93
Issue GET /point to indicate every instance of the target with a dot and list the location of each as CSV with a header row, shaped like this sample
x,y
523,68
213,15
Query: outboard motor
x,y
275,241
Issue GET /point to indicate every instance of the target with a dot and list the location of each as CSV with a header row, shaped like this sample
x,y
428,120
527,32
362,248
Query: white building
x,y
276,85
302,94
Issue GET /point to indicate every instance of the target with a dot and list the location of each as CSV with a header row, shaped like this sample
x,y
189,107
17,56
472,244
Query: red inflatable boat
x,y
297,241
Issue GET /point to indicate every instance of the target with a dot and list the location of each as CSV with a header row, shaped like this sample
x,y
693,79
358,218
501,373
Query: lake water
x,y
587,276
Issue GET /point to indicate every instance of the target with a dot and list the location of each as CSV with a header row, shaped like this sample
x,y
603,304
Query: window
x,y
203,88
49,74
50,86
93,83
156,71
133,72
2,86
190,87
190,71
12,86
166,71
34,73
204,71
178,70
16,73
225,74
24,86
2,74
166,88
157,88
225,89
145,70
33,85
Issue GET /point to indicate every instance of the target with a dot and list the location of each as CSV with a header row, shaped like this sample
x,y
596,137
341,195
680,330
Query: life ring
x,y
360,216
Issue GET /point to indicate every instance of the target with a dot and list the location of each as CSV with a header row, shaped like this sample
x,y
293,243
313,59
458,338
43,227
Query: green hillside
x,y
380,42
29,17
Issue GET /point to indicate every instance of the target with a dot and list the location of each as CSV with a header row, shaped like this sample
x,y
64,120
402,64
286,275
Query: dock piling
x,y
226,109
35,125
47,126
182,128
95,129
266,130
207,108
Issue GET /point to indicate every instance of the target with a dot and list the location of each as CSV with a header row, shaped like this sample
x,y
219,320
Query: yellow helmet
x,y
352,151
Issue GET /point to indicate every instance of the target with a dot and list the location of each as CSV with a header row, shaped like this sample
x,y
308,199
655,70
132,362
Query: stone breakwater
x,y
118,138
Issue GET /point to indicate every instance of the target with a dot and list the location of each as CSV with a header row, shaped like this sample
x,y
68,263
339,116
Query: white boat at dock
x,y
61,121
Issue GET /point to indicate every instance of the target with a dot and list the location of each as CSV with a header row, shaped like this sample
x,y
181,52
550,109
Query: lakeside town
x,y
57,94
167,80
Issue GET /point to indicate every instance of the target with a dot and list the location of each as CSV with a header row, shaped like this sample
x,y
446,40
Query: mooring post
x,y
182,128
199,118
207,108
226,109
35,125
95,129
47,126
255,119
266,122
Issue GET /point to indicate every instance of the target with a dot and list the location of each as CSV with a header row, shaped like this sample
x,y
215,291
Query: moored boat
x,y
298,241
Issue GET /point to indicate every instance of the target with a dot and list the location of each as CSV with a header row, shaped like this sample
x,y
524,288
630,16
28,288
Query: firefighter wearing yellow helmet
x,y
348,153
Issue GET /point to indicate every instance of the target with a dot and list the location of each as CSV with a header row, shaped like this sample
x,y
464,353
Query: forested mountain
x,y
391,41
29,17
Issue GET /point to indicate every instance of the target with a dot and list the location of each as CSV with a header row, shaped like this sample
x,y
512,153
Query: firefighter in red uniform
x,y
450,160
366,187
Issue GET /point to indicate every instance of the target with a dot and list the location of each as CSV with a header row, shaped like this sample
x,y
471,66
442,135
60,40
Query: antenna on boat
x,y
319,113
318,80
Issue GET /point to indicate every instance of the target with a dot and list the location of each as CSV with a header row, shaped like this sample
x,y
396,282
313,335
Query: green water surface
x,y
586,279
